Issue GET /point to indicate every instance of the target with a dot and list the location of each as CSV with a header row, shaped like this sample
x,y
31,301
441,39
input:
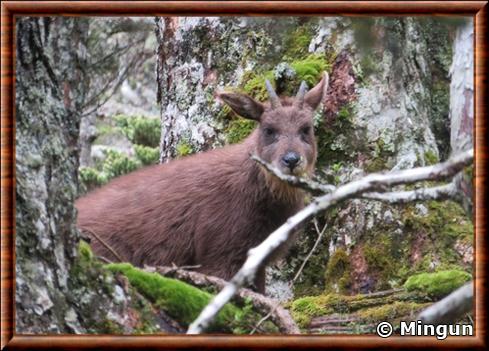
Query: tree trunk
x,y
462,106
59,288
47,125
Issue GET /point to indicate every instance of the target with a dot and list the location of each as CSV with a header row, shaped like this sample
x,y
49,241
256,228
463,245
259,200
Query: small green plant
x,y
184,148
117,164
91,178
147,155
140,130
255,85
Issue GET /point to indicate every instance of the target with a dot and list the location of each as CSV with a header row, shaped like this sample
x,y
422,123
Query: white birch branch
x,y
442,192
450,308
372,182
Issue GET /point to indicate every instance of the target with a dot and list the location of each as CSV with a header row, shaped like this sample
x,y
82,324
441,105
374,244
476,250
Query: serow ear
x,y
243,105
317,94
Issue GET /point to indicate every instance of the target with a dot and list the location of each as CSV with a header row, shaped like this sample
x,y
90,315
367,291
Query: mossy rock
x,y
439,284
87,274
184,302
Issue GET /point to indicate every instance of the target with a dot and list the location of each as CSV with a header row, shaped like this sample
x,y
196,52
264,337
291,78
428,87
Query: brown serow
x,y
209,209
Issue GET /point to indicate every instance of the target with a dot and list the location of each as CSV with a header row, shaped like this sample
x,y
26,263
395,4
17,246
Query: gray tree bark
x,y
48,93
462,106
58,289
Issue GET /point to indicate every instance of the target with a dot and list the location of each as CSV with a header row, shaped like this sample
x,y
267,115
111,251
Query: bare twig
x,y
107,246
298,273
451,308
318,240
372,182
313,187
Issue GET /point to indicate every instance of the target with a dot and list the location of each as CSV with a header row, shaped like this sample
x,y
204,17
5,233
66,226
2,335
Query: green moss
x,y
390,312
297,42
310,69
445,222
379,161
367,308
85,254
184,148
140,130
254,84
90,270
92,288
306,308
338,271
184,302
147,155
239,129
430,158
337,142
437,284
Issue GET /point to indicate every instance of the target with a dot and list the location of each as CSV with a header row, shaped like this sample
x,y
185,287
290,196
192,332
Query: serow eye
x,y
269,132
305,130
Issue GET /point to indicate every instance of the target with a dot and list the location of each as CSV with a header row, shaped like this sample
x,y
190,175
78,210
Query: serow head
x,y
285,136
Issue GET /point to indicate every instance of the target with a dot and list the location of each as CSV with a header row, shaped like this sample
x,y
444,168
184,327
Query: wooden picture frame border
x,y
11,9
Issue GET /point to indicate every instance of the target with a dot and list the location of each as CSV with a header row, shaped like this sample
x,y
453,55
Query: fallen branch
x,y
372,182
450,308
280,316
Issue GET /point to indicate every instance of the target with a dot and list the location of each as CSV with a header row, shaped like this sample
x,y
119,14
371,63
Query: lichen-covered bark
x,y
462,105
59,288
47,97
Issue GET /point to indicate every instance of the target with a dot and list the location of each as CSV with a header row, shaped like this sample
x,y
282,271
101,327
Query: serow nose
x,y
291,159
